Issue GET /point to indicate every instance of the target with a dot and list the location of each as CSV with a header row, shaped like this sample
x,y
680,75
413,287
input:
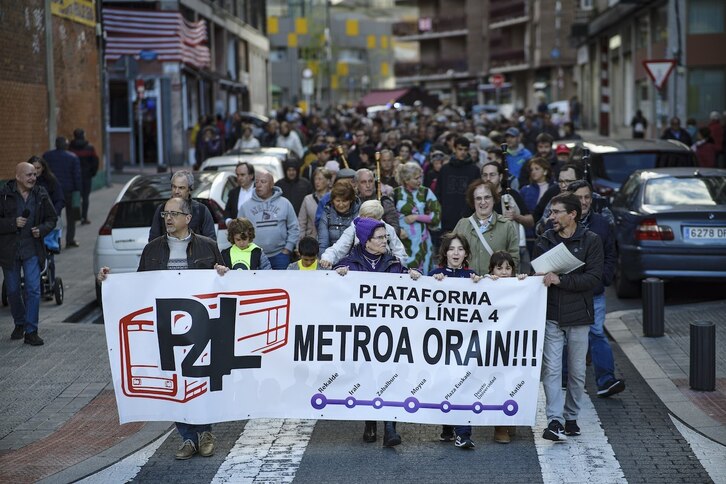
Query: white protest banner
x,y
193,346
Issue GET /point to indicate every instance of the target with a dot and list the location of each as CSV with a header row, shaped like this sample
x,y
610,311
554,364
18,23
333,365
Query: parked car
x,y
670,223
125,232
269,159
258,122
613,161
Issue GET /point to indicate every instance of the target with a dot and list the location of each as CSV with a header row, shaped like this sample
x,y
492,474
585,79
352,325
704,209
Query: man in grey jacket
x,y
275,220
570,313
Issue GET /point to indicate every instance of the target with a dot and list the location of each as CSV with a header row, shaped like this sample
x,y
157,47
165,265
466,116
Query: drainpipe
x,y
50,76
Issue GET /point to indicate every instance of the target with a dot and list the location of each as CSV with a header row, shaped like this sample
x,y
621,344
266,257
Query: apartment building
x,y
345,47
463,43
616,38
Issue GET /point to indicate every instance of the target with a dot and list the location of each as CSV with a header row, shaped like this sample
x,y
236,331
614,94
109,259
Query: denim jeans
x,y
576,337
24,305
191,432
280,261
600,350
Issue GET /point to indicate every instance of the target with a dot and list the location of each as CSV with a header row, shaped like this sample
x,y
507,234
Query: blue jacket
x,y
605,230
449,272
67,169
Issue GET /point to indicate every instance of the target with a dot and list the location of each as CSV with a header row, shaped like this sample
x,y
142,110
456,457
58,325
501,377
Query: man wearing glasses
x,y
181,249
182,184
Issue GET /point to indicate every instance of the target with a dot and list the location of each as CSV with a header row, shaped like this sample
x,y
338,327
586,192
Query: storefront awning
x,y
382,97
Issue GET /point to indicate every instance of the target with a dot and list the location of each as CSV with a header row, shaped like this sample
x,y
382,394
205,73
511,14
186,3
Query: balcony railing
x,y
410,69
506,57
501,10
429,25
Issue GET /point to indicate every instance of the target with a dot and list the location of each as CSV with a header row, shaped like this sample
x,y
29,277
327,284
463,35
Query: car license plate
x,y
704,233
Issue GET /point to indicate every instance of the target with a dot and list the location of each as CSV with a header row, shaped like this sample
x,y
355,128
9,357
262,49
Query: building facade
x,y
491,51
50,77
169,62
346,47
617,38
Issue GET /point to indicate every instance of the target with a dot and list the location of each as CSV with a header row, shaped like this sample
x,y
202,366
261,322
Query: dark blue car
x,y
671,224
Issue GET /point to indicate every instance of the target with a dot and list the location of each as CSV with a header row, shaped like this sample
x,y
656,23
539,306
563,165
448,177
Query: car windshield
x,y
686,191
618,166
159,187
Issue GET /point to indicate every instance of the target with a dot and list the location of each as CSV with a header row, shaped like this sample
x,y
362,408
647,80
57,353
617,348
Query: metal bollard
x,y
653,307
702,374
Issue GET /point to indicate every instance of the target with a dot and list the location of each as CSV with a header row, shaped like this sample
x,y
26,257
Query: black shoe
x,y
447,433
390,436
18,332
571,427
369,433
33,339
85,222
464,442
72,243
615,386
554,432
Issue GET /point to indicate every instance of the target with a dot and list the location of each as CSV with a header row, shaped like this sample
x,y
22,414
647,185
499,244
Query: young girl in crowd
x,y
453,257
501,264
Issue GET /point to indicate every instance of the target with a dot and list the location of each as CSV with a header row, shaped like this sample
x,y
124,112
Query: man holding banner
x,y
569,314
182,249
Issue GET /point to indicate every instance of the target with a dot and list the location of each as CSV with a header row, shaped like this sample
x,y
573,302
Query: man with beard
x,y
569,314
454,178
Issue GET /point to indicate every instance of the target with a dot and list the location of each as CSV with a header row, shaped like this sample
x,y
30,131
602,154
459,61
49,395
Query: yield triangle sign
x,y
659,70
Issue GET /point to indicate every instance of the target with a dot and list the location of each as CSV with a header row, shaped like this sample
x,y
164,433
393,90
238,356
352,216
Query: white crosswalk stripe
x,y
267,450
710,453
586,458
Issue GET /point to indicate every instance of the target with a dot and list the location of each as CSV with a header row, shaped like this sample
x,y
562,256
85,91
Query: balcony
x,y
430,28
444,69
503,13
508,60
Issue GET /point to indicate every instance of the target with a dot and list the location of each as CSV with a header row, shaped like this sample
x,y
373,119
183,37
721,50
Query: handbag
x,y
52,240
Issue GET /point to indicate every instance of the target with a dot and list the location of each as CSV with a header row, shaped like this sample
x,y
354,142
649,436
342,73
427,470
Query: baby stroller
x,y
51,287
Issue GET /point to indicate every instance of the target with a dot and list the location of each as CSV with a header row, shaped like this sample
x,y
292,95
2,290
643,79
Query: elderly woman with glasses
x,y
371,255
419,212
486,231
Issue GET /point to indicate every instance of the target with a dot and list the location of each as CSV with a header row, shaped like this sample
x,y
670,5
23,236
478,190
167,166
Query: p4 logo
x,y
182,347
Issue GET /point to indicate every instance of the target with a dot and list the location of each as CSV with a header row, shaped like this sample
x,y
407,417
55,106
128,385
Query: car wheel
x,y
625,288
58,291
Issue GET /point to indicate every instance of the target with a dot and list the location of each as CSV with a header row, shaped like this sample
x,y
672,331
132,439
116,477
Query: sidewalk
x,y
59,417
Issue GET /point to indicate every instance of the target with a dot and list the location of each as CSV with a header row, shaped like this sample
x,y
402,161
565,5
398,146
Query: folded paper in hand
x,y
558,260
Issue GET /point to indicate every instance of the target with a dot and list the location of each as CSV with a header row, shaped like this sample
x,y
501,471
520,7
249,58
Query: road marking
x,y
267,450
127,468
710,453
585,458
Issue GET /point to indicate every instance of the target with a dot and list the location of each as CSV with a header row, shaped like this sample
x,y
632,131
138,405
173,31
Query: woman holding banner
x,y
487,231
371,255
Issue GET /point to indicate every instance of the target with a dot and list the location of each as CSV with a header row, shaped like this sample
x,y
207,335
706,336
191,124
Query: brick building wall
x,y
23,87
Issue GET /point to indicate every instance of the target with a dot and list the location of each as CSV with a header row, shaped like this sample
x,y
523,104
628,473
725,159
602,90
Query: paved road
x,y
60,423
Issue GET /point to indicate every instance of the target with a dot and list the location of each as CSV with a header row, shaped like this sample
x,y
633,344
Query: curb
x,y
676,402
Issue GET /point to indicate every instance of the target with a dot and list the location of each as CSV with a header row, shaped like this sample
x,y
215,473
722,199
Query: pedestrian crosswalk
x,y
290,450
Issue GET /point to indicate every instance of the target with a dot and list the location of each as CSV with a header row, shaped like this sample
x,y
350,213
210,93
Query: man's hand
x,y
20,222
36,232
551,279
103,273
325,264
409,219
285,251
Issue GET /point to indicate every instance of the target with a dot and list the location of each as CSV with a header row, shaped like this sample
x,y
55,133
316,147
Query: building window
x,y
660,25
705,16
586,4
352,55
705,91
278,54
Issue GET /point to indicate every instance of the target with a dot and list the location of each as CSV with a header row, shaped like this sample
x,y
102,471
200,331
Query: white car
x,y
269,159
123,235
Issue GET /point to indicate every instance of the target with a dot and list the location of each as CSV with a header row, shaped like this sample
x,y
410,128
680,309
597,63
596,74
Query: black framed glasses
x,y
172,214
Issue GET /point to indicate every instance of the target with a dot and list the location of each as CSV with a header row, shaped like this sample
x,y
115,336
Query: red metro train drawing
x,y
181,348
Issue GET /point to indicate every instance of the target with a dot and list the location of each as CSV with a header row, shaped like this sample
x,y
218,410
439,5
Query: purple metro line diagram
x,y
412,405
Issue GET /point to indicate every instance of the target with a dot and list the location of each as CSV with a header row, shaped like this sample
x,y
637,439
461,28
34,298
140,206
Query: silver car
x,y
269,159
125,232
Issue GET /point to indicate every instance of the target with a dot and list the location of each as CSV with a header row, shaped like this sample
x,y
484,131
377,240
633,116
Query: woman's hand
x,y
492,277
414,274
440,276
342,270
521,277
221,270
409,219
